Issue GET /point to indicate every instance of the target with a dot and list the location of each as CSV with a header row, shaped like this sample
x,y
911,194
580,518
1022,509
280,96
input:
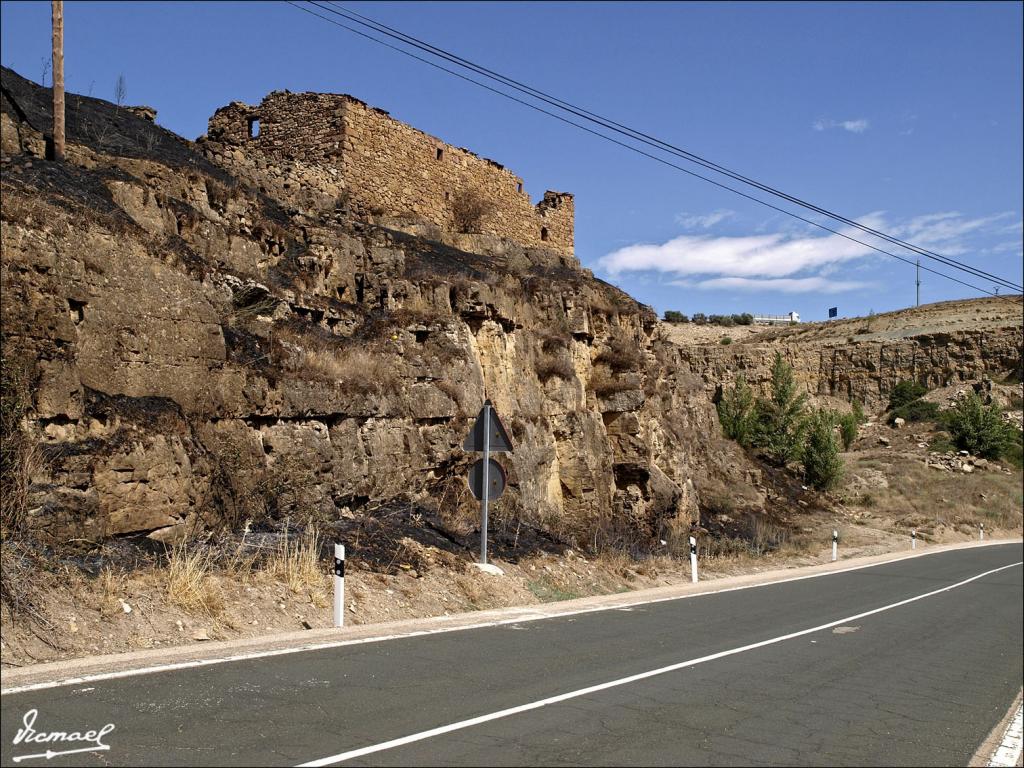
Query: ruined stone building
x,y
343,149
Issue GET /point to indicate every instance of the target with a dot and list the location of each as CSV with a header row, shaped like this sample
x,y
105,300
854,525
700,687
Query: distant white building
x,y
792,317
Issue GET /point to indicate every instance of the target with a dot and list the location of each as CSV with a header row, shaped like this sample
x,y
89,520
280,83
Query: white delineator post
x,y
835,545
913,539
982,532
693,560
339,585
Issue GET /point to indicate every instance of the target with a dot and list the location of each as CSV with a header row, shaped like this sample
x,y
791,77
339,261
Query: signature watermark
x,y
28,735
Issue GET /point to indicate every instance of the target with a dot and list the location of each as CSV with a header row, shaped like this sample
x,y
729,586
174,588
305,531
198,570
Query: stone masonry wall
x,y
344,149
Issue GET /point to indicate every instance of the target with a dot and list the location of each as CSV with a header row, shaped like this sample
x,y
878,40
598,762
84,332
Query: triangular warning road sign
x,y
500,442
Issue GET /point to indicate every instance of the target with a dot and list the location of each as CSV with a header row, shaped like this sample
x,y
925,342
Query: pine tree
x,y
736,413
781,423
823,466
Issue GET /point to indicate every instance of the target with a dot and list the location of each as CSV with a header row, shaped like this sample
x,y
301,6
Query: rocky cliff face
x,y
864,370
195,355
199,356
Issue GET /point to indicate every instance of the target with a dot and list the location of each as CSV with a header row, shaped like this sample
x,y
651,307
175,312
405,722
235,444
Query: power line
x,y
623,144
645,138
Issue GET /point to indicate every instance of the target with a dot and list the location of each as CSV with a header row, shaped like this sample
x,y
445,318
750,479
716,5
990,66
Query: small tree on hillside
x,y
469,210
780,418
120,91
978,428
848,426
736,412
858,412
822,465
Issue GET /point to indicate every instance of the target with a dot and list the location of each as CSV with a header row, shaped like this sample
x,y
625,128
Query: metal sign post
x,y
486,490
487,477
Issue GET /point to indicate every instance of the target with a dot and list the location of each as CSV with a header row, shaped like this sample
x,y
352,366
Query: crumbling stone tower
x,y
340,147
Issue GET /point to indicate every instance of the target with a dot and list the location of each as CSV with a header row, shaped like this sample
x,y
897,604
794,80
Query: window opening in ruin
x,y
543,233
254,127
440,153
447,196
519,187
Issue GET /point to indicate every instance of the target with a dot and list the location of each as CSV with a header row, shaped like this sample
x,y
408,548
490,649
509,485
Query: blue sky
x,y
908,116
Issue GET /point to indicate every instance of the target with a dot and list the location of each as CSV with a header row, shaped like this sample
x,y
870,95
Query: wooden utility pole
x,y
58,79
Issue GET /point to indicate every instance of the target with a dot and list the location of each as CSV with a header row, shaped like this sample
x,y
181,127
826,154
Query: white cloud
x,y
792,260
703,221
859,125
772,255
780,284
945,230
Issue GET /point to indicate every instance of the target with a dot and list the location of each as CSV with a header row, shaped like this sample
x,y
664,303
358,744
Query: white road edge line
x,y
1008,752
524,615
343,756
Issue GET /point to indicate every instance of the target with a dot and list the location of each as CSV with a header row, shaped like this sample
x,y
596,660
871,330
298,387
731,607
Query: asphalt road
x,y
921,683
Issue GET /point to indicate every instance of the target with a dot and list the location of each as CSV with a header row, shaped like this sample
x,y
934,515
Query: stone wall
x,y
356,155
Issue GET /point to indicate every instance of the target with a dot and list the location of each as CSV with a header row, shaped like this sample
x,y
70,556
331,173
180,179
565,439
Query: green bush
x,y
671,316
980,429
1014,452
858,412
916,410
725,340
736,412
848,425
906,392
823,466
781,423
699,318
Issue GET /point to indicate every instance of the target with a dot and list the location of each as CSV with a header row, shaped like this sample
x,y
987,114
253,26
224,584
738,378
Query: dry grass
x,y
416,308
297,562
357,370
455,390
931,500
189,583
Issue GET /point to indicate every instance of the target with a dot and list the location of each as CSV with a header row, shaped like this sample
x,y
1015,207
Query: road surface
x,y
905,663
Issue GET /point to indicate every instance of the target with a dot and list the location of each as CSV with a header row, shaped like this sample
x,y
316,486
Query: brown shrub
x,y
622,354
554,366
603,382
469,209
20,457
554,341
